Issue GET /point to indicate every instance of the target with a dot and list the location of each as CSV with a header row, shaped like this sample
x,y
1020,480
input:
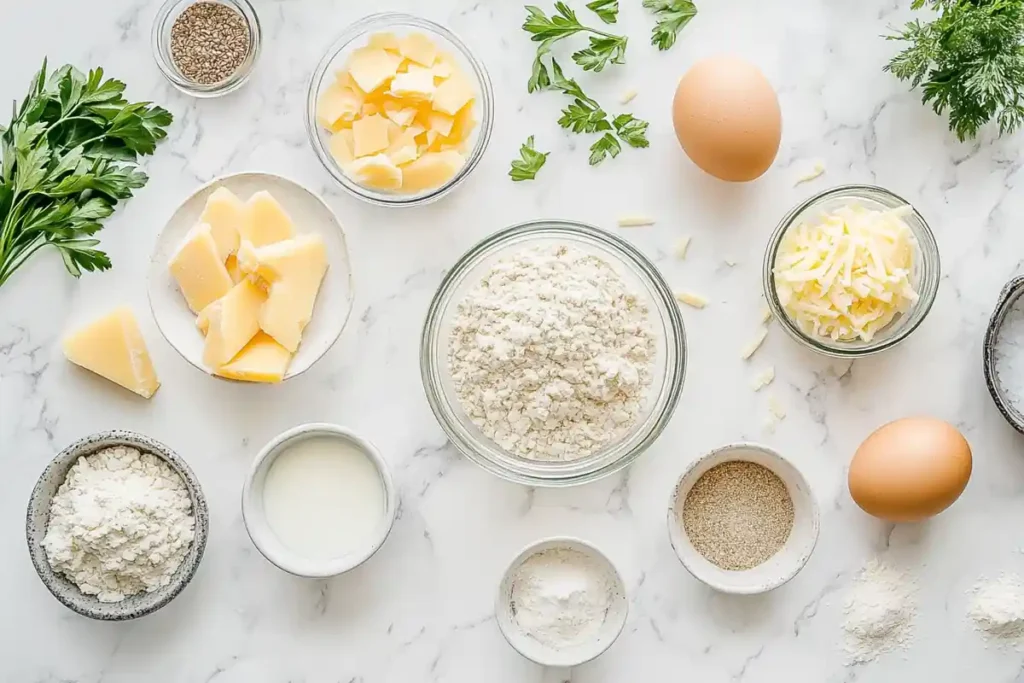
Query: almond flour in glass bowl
x,y
667,372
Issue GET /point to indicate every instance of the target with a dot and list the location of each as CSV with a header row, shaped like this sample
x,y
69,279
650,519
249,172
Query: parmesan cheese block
x,y
224,213
265,220
113,348
847,274
294,270
262,360
231,322
199,269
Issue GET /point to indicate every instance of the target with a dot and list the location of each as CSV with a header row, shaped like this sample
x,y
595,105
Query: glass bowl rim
x,y
200,90
592,467
382,21
931,267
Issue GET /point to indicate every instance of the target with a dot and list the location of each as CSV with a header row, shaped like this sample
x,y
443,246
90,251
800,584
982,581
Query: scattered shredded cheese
x,y
628,96
814,173
848,274
635,221
776,408
691,299
730,262
766,314
755,344
681,246
763,379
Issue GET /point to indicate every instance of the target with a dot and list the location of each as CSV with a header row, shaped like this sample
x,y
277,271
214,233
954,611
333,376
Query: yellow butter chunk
x,y
378,172
417,84
199,269
338,106
224,213
265,220
373,67
419,48
231,322
262,360
848,273
452,95
113,348
370,135
431,170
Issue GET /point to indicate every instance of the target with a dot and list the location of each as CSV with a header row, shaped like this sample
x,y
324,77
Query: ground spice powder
x,y
209,41
738,515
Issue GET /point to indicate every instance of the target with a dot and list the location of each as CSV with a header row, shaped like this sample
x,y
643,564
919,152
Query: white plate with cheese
x,y
175,316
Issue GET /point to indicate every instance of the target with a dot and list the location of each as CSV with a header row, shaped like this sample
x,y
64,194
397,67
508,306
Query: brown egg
x,y
910,469
727,118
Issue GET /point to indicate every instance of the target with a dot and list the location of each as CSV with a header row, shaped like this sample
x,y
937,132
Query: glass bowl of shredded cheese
x,y
399,110
852,271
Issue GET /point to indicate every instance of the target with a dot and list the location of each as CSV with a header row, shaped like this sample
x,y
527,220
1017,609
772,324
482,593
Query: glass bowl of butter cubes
x,y
852,271
399,110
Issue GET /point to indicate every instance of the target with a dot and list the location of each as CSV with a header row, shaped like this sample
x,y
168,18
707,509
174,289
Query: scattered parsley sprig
x,y
531,162
607,10
673,16
969,62
68,158
605,48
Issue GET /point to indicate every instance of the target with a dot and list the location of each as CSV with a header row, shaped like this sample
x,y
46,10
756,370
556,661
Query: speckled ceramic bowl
x,y
1007,298
38,516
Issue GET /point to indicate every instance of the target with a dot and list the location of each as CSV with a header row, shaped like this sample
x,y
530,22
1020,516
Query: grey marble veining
x,y
422,608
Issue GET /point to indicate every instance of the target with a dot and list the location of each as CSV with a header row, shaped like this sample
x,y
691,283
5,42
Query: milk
x,y
323,498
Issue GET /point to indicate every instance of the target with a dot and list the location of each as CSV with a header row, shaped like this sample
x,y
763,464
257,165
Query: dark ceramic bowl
x,y
1007,298
68,593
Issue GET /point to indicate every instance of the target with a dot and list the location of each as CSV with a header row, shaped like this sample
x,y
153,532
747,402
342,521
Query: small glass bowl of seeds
x,y
206,48
742,519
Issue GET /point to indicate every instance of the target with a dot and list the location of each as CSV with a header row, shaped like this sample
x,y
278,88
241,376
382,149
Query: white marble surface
x,y
421,610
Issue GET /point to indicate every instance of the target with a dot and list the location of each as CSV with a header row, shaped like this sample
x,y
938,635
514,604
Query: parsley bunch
x,y
969,62
68,157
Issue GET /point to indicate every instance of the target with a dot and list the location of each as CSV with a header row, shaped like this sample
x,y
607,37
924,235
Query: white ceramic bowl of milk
x,y
319,500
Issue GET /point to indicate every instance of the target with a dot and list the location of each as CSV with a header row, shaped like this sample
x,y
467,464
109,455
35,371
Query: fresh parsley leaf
x,y
631,130
604,48
531,162
68,158
601,51
969,62
673,16
582,117
607,10
606,146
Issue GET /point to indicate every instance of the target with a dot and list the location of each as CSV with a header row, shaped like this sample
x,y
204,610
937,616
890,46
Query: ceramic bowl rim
x,y
677,538
1011,292
500,606
88,445
256,525
344,243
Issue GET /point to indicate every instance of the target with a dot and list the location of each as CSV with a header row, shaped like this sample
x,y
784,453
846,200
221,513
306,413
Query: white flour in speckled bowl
x,y
1008,355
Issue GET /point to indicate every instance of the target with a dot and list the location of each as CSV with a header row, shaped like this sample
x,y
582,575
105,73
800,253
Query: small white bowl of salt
x,y
561,603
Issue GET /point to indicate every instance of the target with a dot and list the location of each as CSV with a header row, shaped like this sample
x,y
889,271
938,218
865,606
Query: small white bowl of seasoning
x,y
561,603
742,519
319,500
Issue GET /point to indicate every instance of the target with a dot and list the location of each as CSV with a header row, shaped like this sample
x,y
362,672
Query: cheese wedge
x,y
199,269
265,220
113,348
419,48
338,107
431,170
370,135
379,172
231,322
372,67
224,213
453,94
262,360
294,270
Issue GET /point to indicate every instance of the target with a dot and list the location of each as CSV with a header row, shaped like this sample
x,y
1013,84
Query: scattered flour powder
x,y
551,354
120,524
880,609
997,608
560,597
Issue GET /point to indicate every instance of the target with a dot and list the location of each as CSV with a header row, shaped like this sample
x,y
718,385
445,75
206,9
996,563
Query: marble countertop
x,y
422,609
